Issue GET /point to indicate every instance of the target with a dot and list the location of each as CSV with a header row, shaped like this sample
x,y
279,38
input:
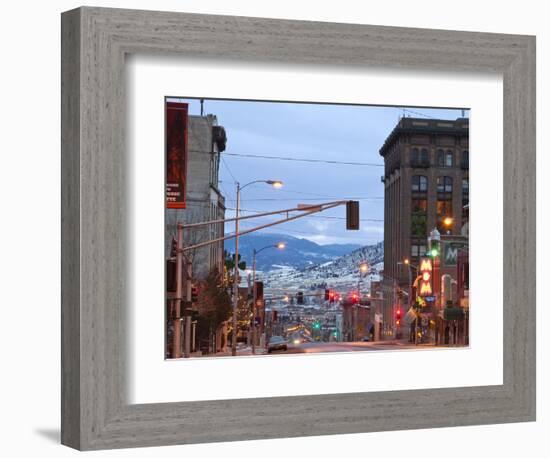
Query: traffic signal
x,y
398,317
274,315
316,325
173,248
352,215
170,276
327,294
300,298
194,294
435,248
354,298
331,296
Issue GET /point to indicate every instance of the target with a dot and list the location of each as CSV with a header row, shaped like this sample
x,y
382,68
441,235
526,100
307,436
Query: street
x,y
325,347
333,347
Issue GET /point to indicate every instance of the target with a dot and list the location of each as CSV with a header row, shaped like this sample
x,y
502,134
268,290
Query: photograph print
x,y
295,228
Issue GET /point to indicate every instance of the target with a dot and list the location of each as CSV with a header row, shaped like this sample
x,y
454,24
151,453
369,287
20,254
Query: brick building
x,y
426,163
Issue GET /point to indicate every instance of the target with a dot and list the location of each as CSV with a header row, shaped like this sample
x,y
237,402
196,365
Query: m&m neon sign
x,y
425,284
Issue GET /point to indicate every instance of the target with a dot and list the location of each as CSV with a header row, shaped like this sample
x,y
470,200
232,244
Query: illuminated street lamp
x,y
363,269
275,184
448,223
407,263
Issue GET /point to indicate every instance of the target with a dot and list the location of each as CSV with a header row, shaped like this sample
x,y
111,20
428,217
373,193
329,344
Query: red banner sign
x,y
176,154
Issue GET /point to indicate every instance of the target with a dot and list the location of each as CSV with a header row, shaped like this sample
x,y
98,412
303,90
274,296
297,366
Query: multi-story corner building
x,y
204,201
426,164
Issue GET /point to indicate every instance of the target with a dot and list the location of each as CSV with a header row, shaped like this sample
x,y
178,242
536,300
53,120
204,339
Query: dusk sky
x,y
308,131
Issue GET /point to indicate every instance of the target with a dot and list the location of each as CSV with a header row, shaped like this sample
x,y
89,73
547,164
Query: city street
x,y
325,347
333,347
239,282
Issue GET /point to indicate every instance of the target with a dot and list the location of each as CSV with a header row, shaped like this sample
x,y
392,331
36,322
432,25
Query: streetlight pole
x,y
277,184
407,263
280,246
236,275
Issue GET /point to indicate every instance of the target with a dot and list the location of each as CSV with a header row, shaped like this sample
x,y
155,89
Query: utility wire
x,y
228,169
303,159
371,220
275,199
415,112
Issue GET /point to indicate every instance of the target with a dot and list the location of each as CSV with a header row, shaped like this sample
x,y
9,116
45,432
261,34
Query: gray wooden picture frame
x,y
95,412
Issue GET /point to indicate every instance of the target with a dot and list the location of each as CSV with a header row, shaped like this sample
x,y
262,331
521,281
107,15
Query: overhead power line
x,y
415,113
228,169
370,220
303,159
275,199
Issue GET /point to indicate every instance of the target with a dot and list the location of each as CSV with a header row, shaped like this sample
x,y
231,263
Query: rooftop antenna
x,y
462,112
202,107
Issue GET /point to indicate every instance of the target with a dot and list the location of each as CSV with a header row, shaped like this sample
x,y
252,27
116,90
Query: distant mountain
x,y
299,253
342,272
373,255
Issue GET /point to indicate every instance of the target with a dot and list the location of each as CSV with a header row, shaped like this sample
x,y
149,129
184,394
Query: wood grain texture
x,y
95,412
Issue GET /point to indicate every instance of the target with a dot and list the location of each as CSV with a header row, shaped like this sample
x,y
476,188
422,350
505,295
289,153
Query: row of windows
x,y
420,158
444,204
418,250
444,184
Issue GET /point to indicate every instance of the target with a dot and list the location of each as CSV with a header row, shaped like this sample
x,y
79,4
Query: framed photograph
x,y
277,228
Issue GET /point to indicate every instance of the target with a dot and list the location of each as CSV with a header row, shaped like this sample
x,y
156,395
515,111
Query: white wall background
x,y
30,227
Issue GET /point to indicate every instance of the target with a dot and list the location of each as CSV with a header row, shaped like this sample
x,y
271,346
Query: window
x,y
444,204
419,183
444,184
415,158
449,159
419,205
417,250
444,208
465,186
440,158
424,159
465,160
465,199
419,220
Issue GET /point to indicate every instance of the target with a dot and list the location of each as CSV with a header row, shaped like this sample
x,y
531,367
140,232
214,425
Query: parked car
x,y
366,338
276,343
